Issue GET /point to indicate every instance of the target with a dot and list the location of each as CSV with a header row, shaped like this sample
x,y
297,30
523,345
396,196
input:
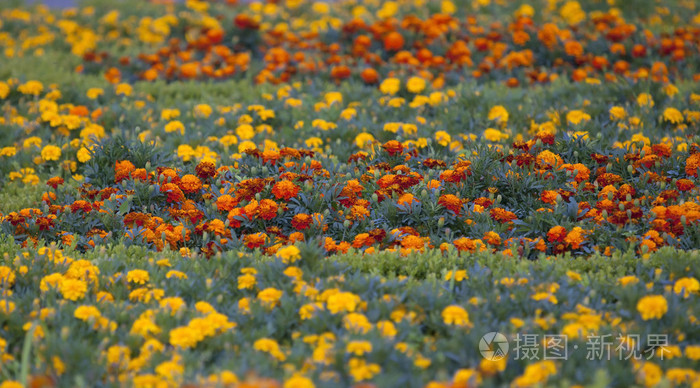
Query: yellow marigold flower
x,y
4,90
270,296
390,86
364,139
245,131
443,138
11,384
86,312
246,281
466,378
575,117
297,381
625,280
93,93
169,114
499,114
343,302
228,140
458,275
415,85
692,352
357,322
175,274
617,113
574,276
645,100
51,152
203,110
7,277
7,306
53,280
123,89
184,337
358,348
652,307
289,254
686,286
649,374
269,346
673,116
387,328
137,276
8,151
307,311
361,370
494,135
33,88
455,315
83,155
175,126
73,289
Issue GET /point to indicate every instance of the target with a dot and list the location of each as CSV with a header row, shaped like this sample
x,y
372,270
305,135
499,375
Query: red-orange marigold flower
x,y
285,190
556,234
301,221
393,147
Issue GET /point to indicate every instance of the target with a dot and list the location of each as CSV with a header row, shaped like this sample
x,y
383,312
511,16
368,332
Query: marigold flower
x,y
51,152
190,183
455,315
285,189
342,302
652,307
289,254
73,289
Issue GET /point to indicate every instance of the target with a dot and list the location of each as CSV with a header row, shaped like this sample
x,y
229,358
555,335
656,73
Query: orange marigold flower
x,y
233,221
370,76
362,240
393,41
465,244
549,196
492,238
285,190
122,169
502,215
190,183
692,164
267,209
575,238
548,159
407,199
413,242
226,203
